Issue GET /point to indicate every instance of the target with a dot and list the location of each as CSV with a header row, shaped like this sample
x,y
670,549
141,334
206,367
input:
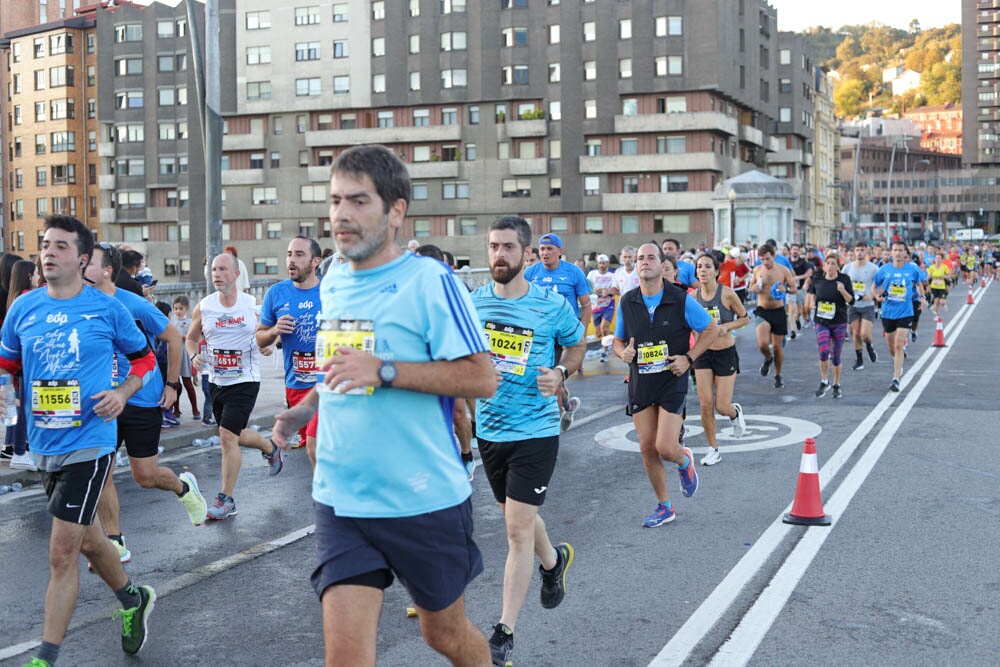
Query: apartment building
x,y
824,216
981,82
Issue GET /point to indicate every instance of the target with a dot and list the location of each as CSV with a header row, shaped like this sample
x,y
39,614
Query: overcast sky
x,y
800,14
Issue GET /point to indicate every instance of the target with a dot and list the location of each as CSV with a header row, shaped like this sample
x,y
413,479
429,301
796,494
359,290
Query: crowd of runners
x,y
394,332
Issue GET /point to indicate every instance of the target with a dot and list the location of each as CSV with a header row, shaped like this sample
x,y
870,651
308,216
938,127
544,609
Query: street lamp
x,y
732,218
888,190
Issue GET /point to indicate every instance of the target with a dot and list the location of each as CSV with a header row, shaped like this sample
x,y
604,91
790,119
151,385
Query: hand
x,y
110,404
284,325
498,376
628,354
168,397
197,362
266,351
675,364
288,422
352,368
549,380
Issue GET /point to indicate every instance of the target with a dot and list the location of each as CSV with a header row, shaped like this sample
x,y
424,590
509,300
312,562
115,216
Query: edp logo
x,y
56,318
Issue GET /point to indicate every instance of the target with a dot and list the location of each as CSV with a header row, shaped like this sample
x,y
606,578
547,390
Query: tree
x,y
942,83
914,27
850,98
849,49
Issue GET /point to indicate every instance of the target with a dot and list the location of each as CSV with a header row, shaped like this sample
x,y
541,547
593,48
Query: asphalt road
x,y
906,575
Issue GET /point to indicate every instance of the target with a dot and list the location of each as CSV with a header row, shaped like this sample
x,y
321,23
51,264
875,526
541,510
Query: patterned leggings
x,y
831,336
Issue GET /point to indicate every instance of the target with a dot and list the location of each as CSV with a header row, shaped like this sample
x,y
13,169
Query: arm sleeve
x,y
619,321
695,315
453,324
569,330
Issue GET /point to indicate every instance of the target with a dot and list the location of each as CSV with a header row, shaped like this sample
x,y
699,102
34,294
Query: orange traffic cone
x,y
939,334
970,300
982,281
807,508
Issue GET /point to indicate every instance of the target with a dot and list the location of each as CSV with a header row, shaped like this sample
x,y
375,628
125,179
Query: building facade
x,y
940,127
824,217
981,82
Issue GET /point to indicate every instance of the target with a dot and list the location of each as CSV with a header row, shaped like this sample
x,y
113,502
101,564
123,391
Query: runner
x,y
64,339
290,311
770,282
656,322
938,274
861,314
563,277
626,275
685,270
831,292
897,281
803,271
518,428
917,307
139,422
227,320
411,345
604,309
717,368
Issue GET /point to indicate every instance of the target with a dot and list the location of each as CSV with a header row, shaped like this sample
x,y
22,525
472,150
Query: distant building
x,y
905,82
981,83
889,74
940,126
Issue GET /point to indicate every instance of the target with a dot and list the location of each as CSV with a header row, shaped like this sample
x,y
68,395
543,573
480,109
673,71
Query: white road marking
x,y
758,437
704,618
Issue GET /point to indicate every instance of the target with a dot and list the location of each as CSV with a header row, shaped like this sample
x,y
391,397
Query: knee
x,y
824,356
520,534
724,408
443,638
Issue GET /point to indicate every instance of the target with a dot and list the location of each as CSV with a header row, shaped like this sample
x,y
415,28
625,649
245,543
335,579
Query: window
x,y
474,115
340,49
593,224
17,180
591,185
452,6
419,191
17,84
91,140
454,190
91,108
41,177
629,146
18,116
675,104
165,28
167,166
258,20
785,86
674,183
671,144
378,10
555,72
39,79
470,152
453,78
181,27
164,63
168,131
265,266
182,62
513,37
131,32
589,70
311,194
130,167
526,150
63,142
555,110
63,174
630,224
167,97
15,49
555,149
515,187
310,86
590,109
679,223
421,117
468,227
378,83
414,43
453,41
675,65
258,55
60,44
256,160
42,206
589,31
675,25
414,7
661,65
378,47
421,228
307,15
630,184
61,76
785,114
258,90
559,223
785,57
555,187
129,99
341,12
554,34
348,121
592,148
341,85
630,106
625,68
449,116
264,195
128,200
182,167
514,74
414,79
39,47
91,76
625,29
385,119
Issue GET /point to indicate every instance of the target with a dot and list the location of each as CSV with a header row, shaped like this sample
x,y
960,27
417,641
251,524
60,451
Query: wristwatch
x,y
565,372
387,373
191,357
688,357
176,386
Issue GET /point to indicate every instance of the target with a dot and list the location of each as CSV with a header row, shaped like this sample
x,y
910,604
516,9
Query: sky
x,y
797,15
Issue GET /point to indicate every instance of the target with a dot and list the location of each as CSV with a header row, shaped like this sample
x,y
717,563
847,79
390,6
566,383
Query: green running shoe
x,y
134,621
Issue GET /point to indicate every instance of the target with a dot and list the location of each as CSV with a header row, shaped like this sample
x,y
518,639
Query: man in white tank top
x,y
227,320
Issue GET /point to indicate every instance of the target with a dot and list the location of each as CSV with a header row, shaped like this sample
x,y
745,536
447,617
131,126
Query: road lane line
x,y
704,618
741,645
597,415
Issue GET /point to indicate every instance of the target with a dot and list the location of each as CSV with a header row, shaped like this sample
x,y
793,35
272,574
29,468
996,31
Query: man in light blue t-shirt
x,y
568,280
399,341
898,282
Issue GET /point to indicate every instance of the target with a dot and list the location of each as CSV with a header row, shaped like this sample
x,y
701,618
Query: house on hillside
x,y
940,127
906,81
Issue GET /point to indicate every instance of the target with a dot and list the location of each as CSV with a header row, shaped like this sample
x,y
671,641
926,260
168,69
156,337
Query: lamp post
x,y
732,218
888,190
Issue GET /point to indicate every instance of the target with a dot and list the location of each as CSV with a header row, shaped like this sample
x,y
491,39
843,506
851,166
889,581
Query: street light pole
x,y
732,218
888,191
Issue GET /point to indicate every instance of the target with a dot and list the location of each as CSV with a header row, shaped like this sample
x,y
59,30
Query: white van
x,y
970,234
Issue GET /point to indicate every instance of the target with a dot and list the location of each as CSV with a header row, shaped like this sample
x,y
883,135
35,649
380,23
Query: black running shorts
x,y
520,469
776,317
233,404
139,429
73,491
891,325
722,363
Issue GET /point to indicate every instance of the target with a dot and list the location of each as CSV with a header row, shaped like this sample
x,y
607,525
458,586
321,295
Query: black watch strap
x,y
176,386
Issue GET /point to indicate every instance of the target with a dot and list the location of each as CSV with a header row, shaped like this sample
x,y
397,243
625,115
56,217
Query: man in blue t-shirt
x,y
399,341
64,339
518,428
291,311
685,270
139,423
899,283
568,280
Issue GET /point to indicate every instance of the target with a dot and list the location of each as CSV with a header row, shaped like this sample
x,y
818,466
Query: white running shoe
x,y
23,462
739,423
713,457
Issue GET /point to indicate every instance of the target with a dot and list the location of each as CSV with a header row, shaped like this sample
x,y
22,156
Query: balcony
x,y
243,142
656,201
108,215
242,177
106,181
319,174
773,145
517,129
712,121
433,169
619,164
538,166
787,155
384,135
105,149
161,214
752,135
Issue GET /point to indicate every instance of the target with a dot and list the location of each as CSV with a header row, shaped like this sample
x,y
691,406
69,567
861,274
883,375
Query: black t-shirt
x,y
800,266
126,282
829,301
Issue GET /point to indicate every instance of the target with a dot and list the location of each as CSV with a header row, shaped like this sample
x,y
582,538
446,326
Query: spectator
x,y
182,320
133,264
23,278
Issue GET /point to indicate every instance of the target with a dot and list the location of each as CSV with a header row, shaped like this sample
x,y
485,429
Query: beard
x,y
368,243
504,274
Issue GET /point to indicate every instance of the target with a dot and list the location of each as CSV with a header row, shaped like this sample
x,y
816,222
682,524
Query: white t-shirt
x,y
626,281
229,334
603,281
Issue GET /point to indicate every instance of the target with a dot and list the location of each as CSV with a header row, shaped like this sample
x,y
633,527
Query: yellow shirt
x,y
937,275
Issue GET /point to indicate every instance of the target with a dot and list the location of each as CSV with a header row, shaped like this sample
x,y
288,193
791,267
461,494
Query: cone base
x,y
824,520
939,345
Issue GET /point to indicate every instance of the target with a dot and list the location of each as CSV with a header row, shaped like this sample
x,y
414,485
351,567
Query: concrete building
x,y
940,126
905,82
981,82
824,217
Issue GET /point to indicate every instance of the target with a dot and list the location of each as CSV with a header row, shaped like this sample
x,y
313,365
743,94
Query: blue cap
x,y
550,239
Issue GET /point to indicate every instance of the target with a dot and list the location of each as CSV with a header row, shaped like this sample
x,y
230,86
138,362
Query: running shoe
x,y
134,621
502,646
792,334
660,516
913,336
713,457
275,460
223,508
778,382
124,555
166,423
895,385
766,366
604,357
23,462
208,420
554,582
823,388
688,475
38,662
566,421
859,365
798,324
193,501
470,467
7,452
169,418
739,423
196,416
837,393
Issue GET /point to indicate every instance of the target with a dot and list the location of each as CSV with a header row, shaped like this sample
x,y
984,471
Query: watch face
x,y
387,371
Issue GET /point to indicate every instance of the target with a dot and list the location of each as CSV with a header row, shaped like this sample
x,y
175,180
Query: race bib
x,y
859,290
227,364
714,312
897,292
334,334
304,366
509,346
652,358
826,310
938,283
56,403
114,370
